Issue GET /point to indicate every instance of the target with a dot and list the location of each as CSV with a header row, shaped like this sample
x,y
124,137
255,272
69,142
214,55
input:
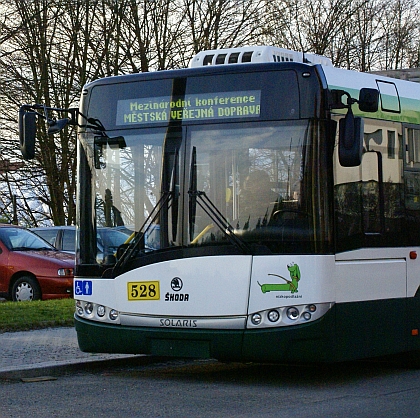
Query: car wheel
x,y
25,288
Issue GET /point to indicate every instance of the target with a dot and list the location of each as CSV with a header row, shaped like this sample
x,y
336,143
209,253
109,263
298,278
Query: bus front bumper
x,y
308,343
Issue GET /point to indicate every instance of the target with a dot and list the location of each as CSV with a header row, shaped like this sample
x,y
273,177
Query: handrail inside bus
x,y
202,233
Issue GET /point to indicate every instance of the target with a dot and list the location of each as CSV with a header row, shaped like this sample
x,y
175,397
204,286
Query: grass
x,y
23,316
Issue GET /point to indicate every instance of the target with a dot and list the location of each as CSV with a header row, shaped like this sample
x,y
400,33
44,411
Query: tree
x,y
37,58
400,32
222,24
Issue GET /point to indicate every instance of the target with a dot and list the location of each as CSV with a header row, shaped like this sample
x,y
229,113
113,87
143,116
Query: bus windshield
x,y
228,184
128,180
251,175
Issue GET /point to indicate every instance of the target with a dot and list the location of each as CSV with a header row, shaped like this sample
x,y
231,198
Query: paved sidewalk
x,y
44,349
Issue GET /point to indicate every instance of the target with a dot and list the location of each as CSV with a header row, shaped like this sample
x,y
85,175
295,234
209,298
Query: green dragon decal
x,y
290,285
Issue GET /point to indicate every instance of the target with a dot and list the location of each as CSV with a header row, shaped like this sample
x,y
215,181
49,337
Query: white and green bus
x,y
274,204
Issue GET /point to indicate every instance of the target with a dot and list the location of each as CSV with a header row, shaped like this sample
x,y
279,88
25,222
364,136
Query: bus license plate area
x,y
180,348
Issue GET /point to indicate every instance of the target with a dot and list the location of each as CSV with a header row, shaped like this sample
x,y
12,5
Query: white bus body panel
x,y
344,79
221,291
216,286
315,285
211,286
374,274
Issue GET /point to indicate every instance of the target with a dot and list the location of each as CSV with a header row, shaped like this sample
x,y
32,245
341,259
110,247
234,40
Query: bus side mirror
x,y
368,100
350,146
27,133
351,128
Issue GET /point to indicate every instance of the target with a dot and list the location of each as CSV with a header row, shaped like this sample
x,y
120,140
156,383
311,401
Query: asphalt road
x,y
44,374
181,388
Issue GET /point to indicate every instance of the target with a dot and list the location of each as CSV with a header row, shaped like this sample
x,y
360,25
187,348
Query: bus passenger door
x,y
371,269
412,230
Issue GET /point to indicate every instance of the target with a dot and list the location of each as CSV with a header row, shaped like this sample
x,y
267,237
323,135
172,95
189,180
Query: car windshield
x,y
109,240
18,239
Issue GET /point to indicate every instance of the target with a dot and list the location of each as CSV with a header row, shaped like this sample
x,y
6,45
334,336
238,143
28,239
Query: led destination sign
x,y
223,105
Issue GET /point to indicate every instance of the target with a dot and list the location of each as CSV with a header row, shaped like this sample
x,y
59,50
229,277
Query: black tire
x,y
26,288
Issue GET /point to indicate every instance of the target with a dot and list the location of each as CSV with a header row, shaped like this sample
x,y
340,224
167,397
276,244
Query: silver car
x,y
64,238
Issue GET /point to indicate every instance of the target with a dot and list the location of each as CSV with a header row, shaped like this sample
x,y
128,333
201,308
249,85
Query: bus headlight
x,y
89,308
273,316
79,308
306,316
113,314
292,313
285,316
95,312
100,311
256,319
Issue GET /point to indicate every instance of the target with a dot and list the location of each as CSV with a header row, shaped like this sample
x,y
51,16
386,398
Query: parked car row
x,y
64,238
39,263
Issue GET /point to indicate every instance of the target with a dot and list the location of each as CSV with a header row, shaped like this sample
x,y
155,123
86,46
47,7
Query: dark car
x,y
64,238
31,268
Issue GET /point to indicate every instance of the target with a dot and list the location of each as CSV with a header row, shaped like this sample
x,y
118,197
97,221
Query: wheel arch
x,y
16,276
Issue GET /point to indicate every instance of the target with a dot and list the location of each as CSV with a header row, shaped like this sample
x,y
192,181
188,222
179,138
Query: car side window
x,y
69,240
49,236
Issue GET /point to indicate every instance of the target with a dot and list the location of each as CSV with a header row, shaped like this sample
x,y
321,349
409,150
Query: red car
x,y
31,268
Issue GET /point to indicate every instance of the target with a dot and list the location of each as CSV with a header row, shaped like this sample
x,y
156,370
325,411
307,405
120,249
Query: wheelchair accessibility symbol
x,y
83,287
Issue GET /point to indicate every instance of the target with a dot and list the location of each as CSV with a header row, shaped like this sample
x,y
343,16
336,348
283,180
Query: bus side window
x,y
369,199
412,184
371,193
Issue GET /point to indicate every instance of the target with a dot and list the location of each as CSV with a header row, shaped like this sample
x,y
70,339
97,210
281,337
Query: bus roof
x,y
255,54
398,98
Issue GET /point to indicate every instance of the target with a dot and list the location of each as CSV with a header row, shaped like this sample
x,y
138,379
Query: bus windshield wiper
x,y
138,240
199,197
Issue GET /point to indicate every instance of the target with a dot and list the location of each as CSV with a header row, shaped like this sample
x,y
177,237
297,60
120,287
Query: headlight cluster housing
x,y
97,312
287,315
65,272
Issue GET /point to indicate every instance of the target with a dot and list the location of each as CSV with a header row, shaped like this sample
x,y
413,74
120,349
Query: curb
x,y
51,370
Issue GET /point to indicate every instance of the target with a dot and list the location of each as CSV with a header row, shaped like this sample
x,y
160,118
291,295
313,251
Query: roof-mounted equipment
x,y
256,54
